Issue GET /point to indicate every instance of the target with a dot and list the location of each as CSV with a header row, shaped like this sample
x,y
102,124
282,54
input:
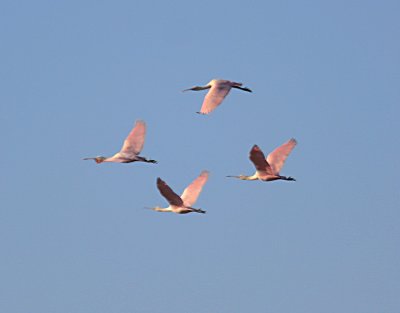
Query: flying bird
x,y
182,204
267,169
131,148
219,89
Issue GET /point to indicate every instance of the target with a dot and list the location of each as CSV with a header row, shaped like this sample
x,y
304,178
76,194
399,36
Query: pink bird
x,y
267,169
133,144
219,89
182,204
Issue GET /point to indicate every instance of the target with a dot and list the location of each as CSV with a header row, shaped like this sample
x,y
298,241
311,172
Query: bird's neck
x,y
244,177
252,177
158,209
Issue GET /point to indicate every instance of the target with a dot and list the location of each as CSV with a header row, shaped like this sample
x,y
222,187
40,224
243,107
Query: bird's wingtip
x,y
140,121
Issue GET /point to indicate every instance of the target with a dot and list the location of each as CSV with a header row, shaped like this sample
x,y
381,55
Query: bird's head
x,y
241,176
98,159
197,88
157,208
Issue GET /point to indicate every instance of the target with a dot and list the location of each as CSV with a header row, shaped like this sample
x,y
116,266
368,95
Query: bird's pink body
x,y
182,204
267,169
131,148
219,89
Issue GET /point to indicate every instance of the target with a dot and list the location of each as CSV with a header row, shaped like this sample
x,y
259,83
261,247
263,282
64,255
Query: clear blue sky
x,y
75,75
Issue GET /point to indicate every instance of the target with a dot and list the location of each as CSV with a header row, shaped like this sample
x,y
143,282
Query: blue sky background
x,y
75,75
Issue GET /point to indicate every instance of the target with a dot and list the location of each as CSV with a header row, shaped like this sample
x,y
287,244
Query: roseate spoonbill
x,y
182,204
219,89
267,169
133,144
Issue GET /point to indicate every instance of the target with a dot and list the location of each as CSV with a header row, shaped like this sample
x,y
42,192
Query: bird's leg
x,y
146,160
242,88
198,210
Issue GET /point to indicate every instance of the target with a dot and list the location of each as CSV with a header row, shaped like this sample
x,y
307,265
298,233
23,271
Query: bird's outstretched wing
x,y
133,144
214,97
168,193
191,193
259,161
277,158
